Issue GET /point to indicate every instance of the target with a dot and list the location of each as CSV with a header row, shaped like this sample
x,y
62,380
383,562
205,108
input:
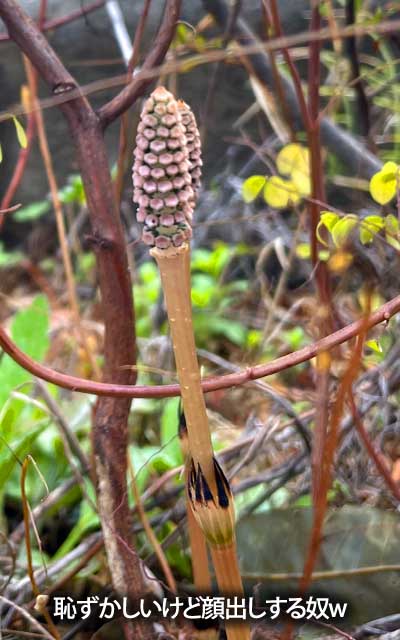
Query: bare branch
x,y
25,33
70,17
110,434
123,100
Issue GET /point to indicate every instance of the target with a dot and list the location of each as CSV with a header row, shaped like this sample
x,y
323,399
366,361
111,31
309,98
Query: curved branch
x,y
383,314
123,100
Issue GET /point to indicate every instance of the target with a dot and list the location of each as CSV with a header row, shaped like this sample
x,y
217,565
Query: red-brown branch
x,y
383,314
110,432
19,169
291,66
125,98
60,22
24,153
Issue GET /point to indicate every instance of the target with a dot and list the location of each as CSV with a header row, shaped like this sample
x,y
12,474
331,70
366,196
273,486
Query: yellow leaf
x,y
303,250
323,255
302,181
278,193
389,167
392,224
369,227
26,98
368,302
328,219
343,228
21,135
383,185
374,345
293,157
392,231
340,261
252,187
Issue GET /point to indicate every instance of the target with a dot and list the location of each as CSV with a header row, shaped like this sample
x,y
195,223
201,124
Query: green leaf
x,y
73,191
254,337
32,211
203,287
21,135
234,331
30,328
14,449
252,187
88,521
9,258
295,337
169,431
29,331
343,228
212,262
143,462
148,272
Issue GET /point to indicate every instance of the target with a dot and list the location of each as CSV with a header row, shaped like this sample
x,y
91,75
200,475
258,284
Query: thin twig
x,y
28,617
26,512
123,100
49,25
152,538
